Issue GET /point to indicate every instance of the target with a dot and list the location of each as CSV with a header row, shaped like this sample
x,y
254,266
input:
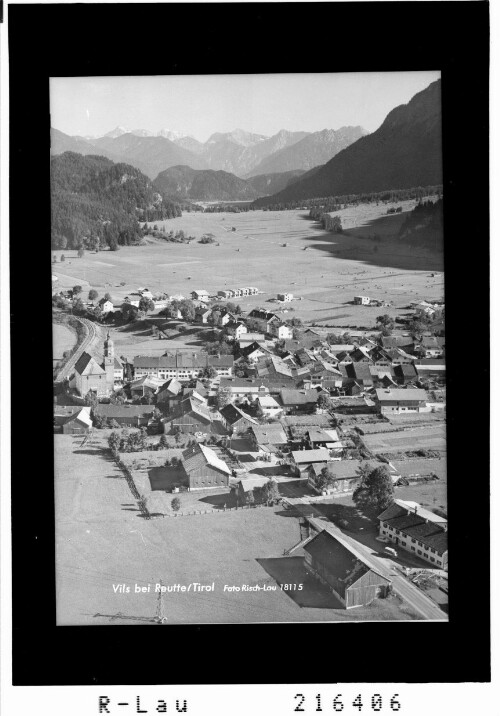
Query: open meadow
x,y
103,541
276,251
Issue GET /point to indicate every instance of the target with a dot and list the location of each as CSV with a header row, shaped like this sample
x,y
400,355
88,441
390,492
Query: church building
x,y
99,376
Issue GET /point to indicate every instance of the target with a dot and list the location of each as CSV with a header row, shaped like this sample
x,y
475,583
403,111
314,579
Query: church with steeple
x,y
101,376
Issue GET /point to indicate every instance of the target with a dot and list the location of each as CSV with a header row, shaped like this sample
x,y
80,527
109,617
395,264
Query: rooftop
x,y
345,562
272,433
390,394
303,457
200,455
184,360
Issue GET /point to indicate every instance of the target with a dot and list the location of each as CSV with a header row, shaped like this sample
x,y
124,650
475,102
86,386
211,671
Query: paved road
x,y
405,589
91,335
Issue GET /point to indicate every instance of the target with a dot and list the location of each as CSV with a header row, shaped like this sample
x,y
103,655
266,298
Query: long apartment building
x,y
416,530
183,366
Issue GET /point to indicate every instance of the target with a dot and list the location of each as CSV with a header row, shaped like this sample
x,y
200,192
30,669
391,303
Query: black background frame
x,y
72,40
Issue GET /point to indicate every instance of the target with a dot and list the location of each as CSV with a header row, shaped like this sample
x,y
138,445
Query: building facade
x,y
182,366
416,530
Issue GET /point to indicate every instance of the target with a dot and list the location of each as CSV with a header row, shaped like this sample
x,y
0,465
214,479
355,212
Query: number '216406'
x,y
373,702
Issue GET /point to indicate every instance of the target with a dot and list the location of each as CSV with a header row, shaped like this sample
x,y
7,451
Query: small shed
x,y
77,424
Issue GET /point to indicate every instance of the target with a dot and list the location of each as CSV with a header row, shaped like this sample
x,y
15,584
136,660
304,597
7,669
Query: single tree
x,y
78,306
63,257
114,442
163,441
222,397
209,372
107,297
385,321
91,399
175,504
77,290
81,252
375,491
93,294
271,491
214,317
324,402
146,305
250,498
326,478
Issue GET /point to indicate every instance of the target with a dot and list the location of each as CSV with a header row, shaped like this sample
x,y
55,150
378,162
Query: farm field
x,y
327,276
63,339
102,540
432,438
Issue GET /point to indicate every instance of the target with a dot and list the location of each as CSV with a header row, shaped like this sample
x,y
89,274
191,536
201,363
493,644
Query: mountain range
x,y
238,152
405,151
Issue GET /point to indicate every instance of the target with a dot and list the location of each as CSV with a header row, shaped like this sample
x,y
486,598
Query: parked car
x,y
391,550
382,539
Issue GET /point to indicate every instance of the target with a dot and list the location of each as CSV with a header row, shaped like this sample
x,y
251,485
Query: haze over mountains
x,y
404,152
238,152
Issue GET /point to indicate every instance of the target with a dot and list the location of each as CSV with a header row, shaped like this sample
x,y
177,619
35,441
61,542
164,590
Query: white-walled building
x,y
416,530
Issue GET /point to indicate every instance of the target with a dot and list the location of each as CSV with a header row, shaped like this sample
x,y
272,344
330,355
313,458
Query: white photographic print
x,y
249,348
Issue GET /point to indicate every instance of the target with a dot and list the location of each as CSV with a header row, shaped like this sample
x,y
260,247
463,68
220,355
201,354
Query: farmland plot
x,y
428,438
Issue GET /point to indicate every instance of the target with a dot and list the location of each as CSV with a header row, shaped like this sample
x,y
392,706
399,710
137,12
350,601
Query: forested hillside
x,y
424,225
95,202
184,183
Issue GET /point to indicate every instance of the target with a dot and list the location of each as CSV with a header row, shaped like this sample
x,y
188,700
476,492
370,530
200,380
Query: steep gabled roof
x,y
340,558
199,456
87,365
232,414
83,416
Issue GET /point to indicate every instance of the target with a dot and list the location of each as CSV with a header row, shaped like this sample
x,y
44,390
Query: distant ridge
x,y
314,149
404,152
183,183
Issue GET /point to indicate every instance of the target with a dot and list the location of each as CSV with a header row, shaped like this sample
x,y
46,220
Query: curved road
x,y
91,335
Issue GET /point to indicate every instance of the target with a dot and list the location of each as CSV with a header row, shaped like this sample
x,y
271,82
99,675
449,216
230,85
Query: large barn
x,y
204,469
352,580
189,417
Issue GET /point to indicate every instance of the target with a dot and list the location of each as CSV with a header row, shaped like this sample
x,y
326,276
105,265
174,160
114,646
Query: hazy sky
x,y
200,105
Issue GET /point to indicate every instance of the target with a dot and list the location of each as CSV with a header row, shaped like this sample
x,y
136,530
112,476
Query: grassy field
x,y
327,276
102,541
63,339
432,438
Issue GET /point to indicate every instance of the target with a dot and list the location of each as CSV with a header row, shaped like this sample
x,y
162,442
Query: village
x,y
270,416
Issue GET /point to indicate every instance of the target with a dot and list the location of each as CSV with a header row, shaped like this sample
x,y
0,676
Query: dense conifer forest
x,y
96,202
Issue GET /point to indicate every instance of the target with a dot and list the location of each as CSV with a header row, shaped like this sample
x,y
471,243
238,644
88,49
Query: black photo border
x,y
144,39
